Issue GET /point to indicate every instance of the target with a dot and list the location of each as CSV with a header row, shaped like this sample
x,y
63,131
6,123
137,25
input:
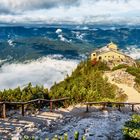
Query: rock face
x,y
122,77
125,82
98,125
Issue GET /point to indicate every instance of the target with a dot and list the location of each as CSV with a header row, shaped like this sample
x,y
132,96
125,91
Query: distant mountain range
x,y
73,41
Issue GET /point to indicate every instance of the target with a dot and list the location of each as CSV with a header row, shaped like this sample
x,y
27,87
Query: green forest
x,y
131,129
26,94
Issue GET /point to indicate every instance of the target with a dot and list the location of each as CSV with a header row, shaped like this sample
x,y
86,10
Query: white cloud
x,y
63,11
133,51
23,5
44,71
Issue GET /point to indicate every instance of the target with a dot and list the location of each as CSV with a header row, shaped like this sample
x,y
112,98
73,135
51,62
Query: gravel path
x,y
130,91
95,125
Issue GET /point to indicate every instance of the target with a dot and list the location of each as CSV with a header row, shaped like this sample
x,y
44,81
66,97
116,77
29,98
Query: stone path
x,y
95,125
130,91
17,125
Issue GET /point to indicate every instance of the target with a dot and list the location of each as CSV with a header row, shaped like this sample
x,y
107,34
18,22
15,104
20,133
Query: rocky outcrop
x,y
125,82
122,77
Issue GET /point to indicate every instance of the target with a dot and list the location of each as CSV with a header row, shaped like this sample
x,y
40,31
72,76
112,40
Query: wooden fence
x,y
22,104
105,104
51,102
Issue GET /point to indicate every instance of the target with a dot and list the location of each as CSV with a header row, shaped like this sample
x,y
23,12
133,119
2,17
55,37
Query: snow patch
x,y
58,31
79,35
133,51
62,38
10,42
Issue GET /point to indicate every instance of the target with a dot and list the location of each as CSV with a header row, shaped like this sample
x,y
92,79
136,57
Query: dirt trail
x,y
132,93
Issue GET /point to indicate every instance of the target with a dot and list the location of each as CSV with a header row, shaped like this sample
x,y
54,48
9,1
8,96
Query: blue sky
x,y
70,11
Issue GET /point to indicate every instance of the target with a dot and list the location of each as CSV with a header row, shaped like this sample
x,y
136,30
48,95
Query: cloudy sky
x,y
69,11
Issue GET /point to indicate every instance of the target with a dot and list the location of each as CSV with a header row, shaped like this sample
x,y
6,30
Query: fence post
x,y
103,106
39,105
4,110
132,107
119,107
51,106
87,109
22,109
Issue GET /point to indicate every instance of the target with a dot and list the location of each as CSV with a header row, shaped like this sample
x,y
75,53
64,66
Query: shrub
x,y
56,137
120,67
27,93
131,128
135,71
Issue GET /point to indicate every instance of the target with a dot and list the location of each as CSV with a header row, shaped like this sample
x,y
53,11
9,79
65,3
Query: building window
x,y
100,57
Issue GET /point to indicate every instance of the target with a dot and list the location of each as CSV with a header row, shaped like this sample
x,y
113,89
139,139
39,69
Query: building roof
x,y
100,53
109,47
112,46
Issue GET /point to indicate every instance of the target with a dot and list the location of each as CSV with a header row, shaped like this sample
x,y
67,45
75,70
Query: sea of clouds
x,y
69,11
44,71
132,51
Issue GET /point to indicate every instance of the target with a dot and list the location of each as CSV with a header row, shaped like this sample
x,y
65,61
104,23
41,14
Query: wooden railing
x,y
41,101
22,104
105,104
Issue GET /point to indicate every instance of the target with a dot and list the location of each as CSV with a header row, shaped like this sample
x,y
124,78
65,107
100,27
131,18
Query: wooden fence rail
x,y
40,101
22,104
105,104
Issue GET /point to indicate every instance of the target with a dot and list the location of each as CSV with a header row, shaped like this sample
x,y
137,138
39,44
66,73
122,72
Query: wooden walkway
x,y
36,101
111,104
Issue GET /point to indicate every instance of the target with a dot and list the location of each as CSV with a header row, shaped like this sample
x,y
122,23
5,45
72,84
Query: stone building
x,y
111,55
